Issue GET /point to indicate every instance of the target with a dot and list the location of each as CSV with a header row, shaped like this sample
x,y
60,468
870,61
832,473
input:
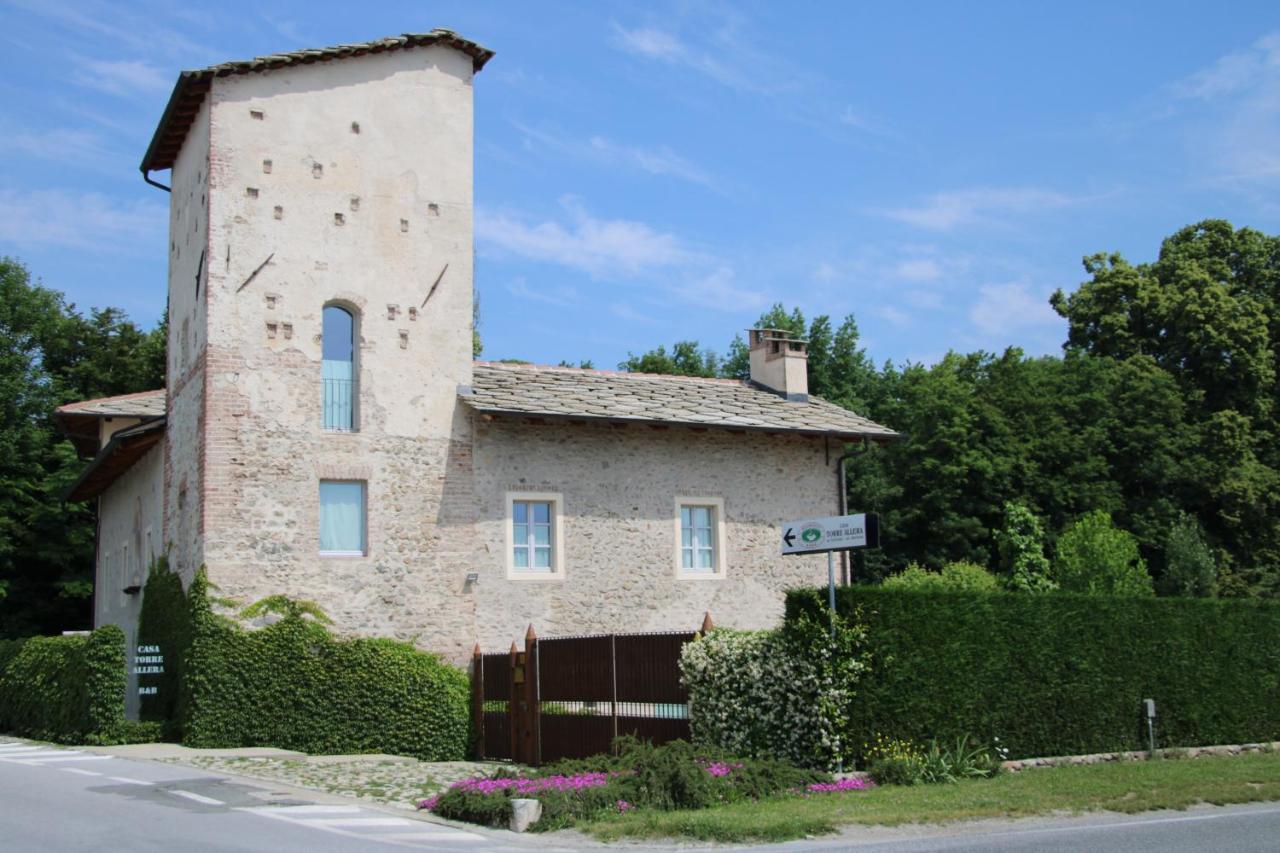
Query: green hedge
x,y
1060,674
293,685
65,689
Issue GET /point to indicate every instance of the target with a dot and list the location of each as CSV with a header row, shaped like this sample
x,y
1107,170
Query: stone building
x,y
325,433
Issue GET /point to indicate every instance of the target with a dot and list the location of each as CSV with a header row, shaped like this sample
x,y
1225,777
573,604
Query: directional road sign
x,y
838,533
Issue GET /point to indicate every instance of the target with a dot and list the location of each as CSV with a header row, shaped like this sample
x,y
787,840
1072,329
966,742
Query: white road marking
x,y
42,752
20,747
315,816
42,759
128,781
79,771
285,811
358,822
199,798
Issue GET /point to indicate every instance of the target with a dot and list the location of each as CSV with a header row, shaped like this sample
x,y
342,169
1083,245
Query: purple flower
x,y
624,807
721,768
429,803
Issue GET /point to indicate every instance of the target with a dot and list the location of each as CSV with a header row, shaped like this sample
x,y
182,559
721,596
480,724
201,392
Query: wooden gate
x,y
569,697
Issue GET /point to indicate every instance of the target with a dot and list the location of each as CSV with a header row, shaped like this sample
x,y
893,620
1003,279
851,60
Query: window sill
x,y
683,575
348,555
519,575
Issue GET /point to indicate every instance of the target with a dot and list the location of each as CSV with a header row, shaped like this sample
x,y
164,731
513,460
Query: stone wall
x,y
130,526
619,485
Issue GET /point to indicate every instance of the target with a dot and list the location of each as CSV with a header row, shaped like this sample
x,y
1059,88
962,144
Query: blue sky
x,y
653,172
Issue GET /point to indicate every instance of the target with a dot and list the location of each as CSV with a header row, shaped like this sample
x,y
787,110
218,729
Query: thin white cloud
x,y
948,210
562,297
124,77
1010,306
59,218
665,46
654,161
918,269
602,248
626,311
894,316
1236,71
66,145
719,290
1232,110
929,299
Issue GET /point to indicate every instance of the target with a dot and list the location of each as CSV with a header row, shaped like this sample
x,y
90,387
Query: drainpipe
x,y
842,497
147,177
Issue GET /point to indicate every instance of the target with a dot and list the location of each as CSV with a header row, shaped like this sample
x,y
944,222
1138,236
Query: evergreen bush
x,y
65,689
1059,674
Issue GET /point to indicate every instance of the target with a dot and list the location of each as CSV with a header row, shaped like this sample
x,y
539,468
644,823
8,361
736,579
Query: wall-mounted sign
x,y
836,533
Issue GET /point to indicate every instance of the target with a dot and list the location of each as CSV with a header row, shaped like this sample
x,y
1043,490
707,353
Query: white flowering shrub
x,y
774,694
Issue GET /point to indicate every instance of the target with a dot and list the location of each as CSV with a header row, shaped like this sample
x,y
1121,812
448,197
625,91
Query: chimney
x,y
780,364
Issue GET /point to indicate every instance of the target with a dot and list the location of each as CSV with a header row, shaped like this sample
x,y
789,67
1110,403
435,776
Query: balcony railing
x,y
339,404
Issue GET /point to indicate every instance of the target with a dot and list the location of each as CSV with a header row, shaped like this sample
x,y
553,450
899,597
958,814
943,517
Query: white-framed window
x,y
534,536
699,535
342,518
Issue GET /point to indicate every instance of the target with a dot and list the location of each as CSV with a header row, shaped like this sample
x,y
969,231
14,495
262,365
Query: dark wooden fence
x,y
569,697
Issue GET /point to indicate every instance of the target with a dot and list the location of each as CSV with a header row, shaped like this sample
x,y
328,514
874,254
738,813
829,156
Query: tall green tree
x,y
1095,557
52,354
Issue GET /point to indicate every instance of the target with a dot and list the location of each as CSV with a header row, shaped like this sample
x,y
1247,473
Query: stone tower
x,y
320,297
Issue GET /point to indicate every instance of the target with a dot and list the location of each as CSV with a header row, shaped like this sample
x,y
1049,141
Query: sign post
x,y
831,534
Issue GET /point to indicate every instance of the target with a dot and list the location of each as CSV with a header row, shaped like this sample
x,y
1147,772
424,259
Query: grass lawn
x,y
1128,787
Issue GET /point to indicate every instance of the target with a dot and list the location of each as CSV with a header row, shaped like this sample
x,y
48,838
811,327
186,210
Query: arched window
x,y
338,369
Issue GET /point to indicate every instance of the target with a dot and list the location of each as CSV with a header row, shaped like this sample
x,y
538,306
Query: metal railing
x,y
338,404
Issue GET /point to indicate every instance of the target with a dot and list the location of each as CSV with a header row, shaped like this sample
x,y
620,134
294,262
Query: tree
x,y
955,577
1189,565
51,354
1096,557
1021,544
685,359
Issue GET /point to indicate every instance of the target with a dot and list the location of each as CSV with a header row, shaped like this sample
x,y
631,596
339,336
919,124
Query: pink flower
x,y
624,807
429,803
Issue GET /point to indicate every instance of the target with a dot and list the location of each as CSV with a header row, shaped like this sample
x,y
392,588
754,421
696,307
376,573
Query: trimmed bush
x,y
1060,674
65,689
959,576
293,685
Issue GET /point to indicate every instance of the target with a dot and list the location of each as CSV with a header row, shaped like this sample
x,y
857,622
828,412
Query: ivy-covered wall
x,y
1059,674
293,685
65,689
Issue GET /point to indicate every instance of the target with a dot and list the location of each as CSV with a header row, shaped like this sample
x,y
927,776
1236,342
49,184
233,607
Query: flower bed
x,y
676,775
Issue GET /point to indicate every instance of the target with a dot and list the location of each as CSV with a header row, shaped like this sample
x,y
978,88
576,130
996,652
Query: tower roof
x,y
189,91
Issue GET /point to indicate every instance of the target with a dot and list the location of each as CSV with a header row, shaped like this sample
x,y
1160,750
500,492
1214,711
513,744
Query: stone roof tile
x,y
567,392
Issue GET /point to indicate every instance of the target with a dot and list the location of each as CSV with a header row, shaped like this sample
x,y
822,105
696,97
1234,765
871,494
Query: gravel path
x,y
388,779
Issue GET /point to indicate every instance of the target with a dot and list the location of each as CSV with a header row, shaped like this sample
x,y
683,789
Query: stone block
x,y
524,814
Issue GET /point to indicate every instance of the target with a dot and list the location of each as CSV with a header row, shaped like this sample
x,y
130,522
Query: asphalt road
x,y
69,801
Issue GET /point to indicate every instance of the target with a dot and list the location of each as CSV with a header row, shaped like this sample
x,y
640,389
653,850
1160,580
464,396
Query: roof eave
x,y
853,435
146,436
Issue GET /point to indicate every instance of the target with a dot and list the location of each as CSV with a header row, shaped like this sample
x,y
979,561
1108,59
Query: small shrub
x,y
676,775
894,761
1189,566
961,760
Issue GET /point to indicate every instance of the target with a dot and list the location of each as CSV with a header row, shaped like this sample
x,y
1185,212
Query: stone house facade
x,y
325,432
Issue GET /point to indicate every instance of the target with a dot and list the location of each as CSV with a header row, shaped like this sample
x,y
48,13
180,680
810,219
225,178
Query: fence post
x,y
515,719
613,675
533,718
477,700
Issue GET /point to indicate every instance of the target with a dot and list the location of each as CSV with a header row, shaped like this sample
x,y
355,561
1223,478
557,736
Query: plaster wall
x,y
189,265
619,486
130,522
346,182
